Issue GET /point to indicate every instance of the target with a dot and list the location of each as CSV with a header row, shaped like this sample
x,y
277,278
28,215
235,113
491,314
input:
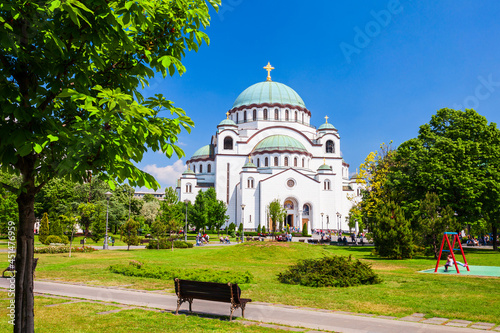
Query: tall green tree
x,y
392,233
433,221
197,215
70,75
216,211
98,225
44,228
457,156
277,214
128,232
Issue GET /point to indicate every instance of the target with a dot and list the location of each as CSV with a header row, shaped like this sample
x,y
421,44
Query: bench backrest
x,y
211,291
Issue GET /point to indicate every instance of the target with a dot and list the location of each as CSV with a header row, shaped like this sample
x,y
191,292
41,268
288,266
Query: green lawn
x,y
403,291
85,317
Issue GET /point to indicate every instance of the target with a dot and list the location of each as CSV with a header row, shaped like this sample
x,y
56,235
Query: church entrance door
x,y
289,220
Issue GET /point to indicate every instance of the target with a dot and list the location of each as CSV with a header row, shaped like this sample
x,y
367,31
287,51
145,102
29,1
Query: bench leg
x,y
231,315
182,300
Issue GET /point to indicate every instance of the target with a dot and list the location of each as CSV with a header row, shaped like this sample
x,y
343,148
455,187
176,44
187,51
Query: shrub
x,y
63,249
259,229
166,244
334,271
138,269
264,229
304,230
44,229
53,239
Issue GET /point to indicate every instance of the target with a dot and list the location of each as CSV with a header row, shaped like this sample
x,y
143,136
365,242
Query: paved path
x,y
268,313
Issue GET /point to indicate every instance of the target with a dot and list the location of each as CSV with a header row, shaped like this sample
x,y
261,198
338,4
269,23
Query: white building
x,y
266,149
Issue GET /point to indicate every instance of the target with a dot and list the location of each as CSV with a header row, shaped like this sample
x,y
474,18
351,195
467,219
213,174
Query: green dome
x,y
227,122
325,167
202,152
280,143
268,92
188,172
249,165
326,126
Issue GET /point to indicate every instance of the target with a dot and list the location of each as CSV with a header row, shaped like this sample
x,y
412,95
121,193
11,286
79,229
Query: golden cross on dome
x,y
227,114
326,119
249,158
268,68
324,161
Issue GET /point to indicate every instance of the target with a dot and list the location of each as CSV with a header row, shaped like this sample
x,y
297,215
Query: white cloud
x,y
168,175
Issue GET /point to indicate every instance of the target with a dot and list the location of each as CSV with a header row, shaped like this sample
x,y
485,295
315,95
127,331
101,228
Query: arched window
x,y
209,168
359,192
330,147
295,162
250,183
244,116
258,163
201,168
305,210
254,114
286,115
194,168
237,117
228,143
265,114
275,161
296,116
266,162
286,161
276,114
303,162
188,188
326,185
302,118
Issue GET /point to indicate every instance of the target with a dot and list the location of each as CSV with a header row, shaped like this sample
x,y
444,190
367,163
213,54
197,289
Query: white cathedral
x,y
267,149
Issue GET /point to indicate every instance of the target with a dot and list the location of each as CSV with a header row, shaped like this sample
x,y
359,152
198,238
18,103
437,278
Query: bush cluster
x,y
53,239
334,271
135,268
166,244
63,249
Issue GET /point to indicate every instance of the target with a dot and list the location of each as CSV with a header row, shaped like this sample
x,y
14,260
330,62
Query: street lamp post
x,y
322,221
186,229
243,222
108,195
339,216
328,223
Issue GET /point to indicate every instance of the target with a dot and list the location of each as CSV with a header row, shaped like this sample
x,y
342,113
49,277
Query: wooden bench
x,y
188,290
12,267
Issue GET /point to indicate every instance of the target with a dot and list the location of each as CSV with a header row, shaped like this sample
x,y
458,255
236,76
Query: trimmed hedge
x,y
138,269
63,249
164,244
334,271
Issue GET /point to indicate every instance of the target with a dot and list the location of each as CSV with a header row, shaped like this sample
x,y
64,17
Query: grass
x,y
85,317
402,292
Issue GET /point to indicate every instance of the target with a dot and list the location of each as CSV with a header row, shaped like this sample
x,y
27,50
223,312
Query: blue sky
x,y
377,69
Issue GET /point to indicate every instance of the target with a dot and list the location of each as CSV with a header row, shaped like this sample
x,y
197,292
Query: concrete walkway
x,y
306,318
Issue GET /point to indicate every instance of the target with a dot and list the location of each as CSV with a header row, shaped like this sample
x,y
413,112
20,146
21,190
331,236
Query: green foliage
x,y
55,228
128,231
63,249
277,214
259,229
98,224
149,210
167,273
240,228
198,213
8,204
334,271
304,230
52,239
216,210
148,197
165,244
263,229
392,234
44,229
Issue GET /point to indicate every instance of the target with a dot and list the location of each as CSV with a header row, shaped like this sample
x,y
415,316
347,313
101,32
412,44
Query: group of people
x,y
224,240
202,239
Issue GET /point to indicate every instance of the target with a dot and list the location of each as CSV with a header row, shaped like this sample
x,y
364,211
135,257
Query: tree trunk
x,y
24,312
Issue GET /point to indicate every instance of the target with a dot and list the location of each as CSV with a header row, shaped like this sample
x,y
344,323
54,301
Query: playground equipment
x,y
451,249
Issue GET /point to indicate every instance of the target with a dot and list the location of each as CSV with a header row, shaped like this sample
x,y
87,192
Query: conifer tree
x,y
44,228
392,234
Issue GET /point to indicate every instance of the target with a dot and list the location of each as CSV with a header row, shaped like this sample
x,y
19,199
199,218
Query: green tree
x,y
44,228
197,215
277,214
150,210
170,195
8,204
87,213
263,229
392,234
55,228
98,225
259,229
69,224
69,80
148,197
128,231
171,218
216,211
455,156
433,221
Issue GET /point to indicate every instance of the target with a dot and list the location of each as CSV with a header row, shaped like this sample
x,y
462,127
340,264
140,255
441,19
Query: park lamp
x,y
108,195
186,230
243,222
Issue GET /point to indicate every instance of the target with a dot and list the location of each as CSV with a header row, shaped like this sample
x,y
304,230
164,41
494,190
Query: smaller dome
x,y
249,165
279,143
202,152
325,167
326,126
188,172
227,122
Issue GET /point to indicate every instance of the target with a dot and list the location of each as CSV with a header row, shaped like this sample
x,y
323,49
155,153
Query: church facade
x,y
266,149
